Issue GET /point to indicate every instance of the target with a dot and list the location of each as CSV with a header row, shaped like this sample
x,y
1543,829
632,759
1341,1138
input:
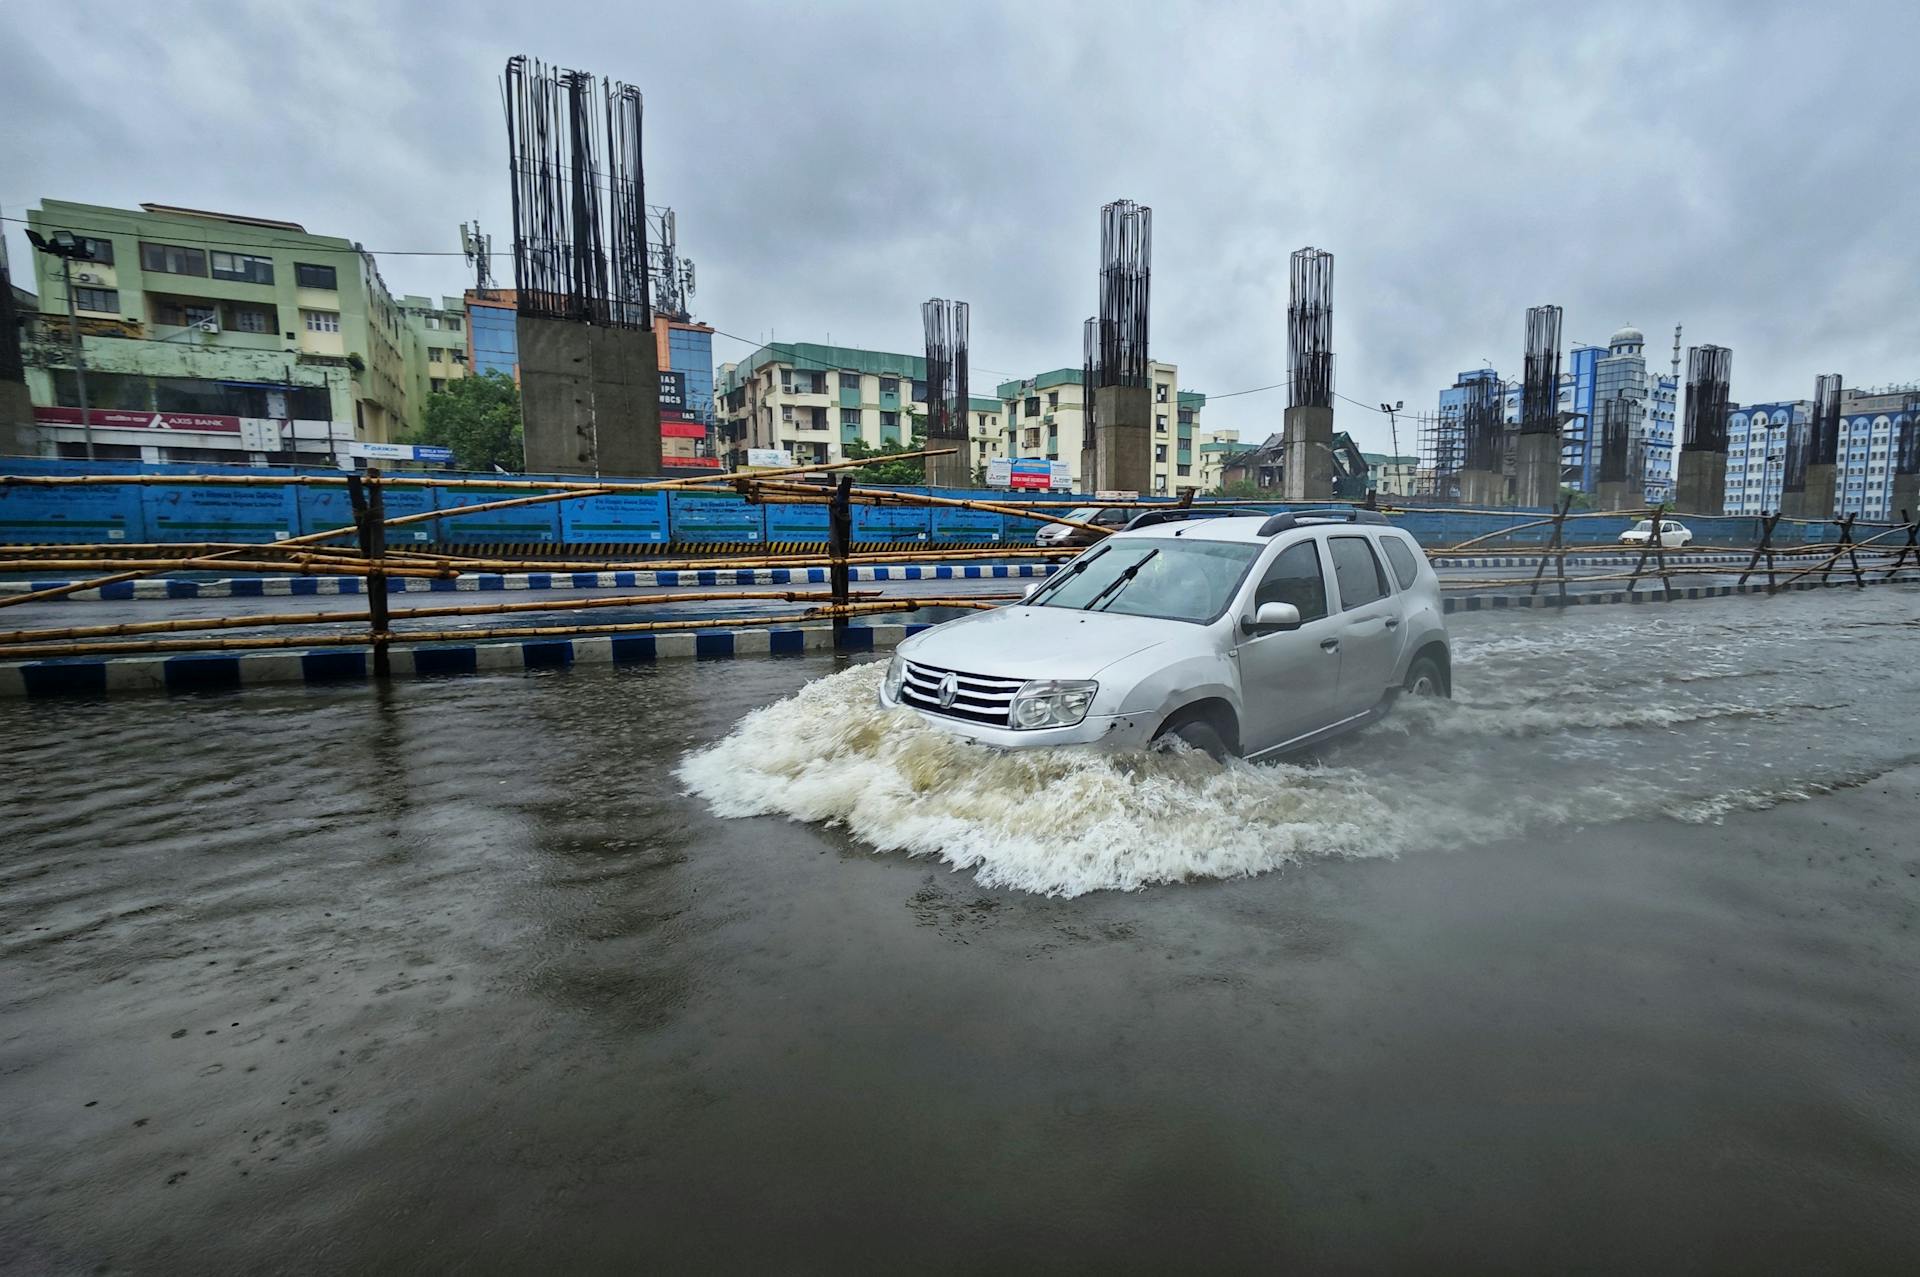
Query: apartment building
x,y
812,400
1046,416
215,337
437,347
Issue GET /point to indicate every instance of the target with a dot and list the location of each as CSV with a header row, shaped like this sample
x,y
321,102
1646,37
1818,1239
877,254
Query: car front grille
x,y
976,697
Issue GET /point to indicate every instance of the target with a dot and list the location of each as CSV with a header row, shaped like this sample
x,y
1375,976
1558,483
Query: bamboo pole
x,y
271,642
880,497
267,620
321,568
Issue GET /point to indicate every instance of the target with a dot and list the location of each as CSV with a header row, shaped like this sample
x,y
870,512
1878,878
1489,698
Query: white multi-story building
x,y
1046,416
1870,425
813,400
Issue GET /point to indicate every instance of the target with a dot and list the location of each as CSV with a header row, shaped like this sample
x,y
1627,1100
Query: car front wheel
x,y
1200,735
1424,678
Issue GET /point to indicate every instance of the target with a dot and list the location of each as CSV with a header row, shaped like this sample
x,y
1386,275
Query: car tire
x,y
1200,735
1425,679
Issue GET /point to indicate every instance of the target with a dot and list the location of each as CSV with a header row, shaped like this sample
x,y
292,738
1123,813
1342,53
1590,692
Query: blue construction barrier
x,y
186,512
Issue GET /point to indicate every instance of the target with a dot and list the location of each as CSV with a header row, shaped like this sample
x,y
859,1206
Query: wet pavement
x,y
1612,965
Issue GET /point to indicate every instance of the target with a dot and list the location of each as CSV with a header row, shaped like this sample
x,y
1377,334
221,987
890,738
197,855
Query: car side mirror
x,y
1269,617
1028,592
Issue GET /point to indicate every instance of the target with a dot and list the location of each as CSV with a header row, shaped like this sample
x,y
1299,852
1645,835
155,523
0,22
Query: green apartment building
x,y
219,337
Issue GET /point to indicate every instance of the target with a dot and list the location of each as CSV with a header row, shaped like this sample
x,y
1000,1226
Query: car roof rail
x,y
1175,514
1298,518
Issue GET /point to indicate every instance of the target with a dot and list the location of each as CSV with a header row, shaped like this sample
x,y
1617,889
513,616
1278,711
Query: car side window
x,y
1295,577
1405,569
1357,571
1113,518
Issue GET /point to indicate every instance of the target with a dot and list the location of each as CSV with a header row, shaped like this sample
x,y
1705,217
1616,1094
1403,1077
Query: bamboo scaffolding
x,y
322,568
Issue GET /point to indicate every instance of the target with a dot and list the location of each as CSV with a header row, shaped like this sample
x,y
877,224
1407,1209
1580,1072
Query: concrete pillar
x,y
1700,486
1617,495
1089,465
1307,446
1483,489
955,471
590,398
1123,459
1905,504
1536,469
19,436
1815,501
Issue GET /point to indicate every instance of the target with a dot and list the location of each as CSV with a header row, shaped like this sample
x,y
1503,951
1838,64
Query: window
x,y
850,418
457,355
1160,452
310,276
889,421
1053,399
1357,571
438,384
170,259
786,412
1405,569
104,300
94,250
850,381
453,323
889,385
321,321
1183,471
176,312
239,266
786,379
1032,407
981,418
1159,423
1160,392
252,319
1295,578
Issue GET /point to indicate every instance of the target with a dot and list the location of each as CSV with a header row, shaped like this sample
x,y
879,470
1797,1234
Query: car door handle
x,y
1393,622
1329,645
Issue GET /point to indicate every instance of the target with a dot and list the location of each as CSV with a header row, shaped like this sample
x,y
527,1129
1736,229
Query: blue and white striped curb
x,y
246,587
218,672
225,672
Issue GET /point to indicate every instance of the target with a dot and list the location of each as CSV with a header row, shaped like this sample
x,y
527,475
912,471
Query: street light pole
x,y
79,353
66,247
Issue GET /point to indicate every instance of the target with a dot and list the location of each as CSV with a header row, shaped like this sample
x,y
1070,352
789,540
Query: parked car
x,y
1244,635
1059,534
1673,535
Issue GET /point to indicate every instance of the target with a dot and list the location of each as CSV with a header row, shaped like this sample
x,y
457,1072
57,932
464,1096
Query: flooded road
x,y
1615,963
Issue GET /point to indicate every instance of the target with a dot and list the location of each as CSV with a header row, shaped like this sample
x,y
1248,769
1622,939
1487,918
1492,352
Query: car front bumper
x,y
1102,731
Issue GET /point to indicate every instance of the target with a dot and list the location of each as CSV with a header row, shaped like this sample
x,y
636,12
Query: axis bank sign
x,y
116,419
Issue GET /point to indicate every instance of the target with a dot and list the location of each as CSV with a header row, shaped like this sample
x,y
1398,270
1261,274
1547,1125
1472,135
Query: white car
x,y
1247,636
1672,535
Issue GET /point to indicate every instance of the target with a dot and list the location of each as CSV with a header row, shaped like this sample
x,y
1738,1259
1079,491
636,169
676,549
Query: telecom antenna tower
x,y
672,273
479,251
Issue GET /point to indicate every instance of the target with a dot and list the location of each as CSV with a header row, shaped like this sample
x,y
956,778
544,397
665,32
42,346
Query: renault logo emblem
x,y
949,686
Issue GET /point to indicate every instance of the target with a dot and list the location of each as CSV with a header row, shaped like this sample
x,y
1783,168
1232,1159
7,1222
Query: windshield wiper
x,y
1114,586
1054,584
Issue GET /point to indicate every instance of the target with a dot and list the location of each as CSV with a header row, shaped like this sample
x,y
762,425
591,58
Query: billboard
x,y
673,393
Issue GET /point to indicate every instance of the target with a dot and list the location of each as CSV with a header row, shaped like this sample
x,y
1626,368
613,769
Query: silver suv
x,y
1246,636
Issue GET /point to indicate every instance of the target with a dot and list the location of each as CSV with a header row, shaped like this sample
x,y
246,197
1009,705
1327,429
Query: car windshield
x,y
1152,576
1645,525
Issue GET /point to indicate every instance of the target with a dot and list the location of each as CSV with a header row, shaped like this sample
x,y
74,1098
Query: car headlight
x,y
896,675
1052,702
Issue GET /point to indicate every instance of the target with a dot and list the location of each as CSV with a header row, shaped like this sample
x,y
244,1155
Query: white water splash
x,y
1067,821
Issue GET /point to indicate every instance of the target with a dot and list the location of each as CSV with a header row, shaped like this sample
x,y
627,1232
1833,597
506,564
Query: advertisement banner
x,y
193,512
323,509
1030,472
120,419
890,523
69,516
517,524
673,393
635,517
796,523
702,518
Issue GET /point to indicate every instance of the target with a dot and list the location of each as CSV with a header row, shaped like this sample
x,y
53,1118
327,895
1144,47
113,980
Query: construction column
x,y
1307,430
1700,482
1122,402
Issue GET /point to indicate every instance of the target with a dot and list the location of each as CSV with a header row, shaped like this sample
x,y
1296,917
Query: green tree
x,y
906,474
479,418
1243,489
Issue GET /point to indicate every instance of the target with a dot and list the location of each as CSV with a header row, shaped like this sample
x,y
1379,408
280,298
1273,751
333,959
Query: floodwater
x,y
1612,964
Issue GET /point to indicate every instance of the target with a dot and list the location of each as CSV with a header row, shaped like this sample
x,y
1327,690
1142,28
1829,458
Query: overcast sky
x,y
1747,169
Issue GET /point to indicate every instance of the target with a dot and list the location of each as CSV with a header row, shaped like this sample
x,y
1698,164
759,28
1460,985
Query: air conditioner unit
x,y
86,277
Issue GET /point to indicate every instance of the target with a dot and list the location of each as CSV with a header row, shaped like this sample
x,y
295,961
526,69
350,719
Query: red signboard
x,y
119,419
690,463
682,430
